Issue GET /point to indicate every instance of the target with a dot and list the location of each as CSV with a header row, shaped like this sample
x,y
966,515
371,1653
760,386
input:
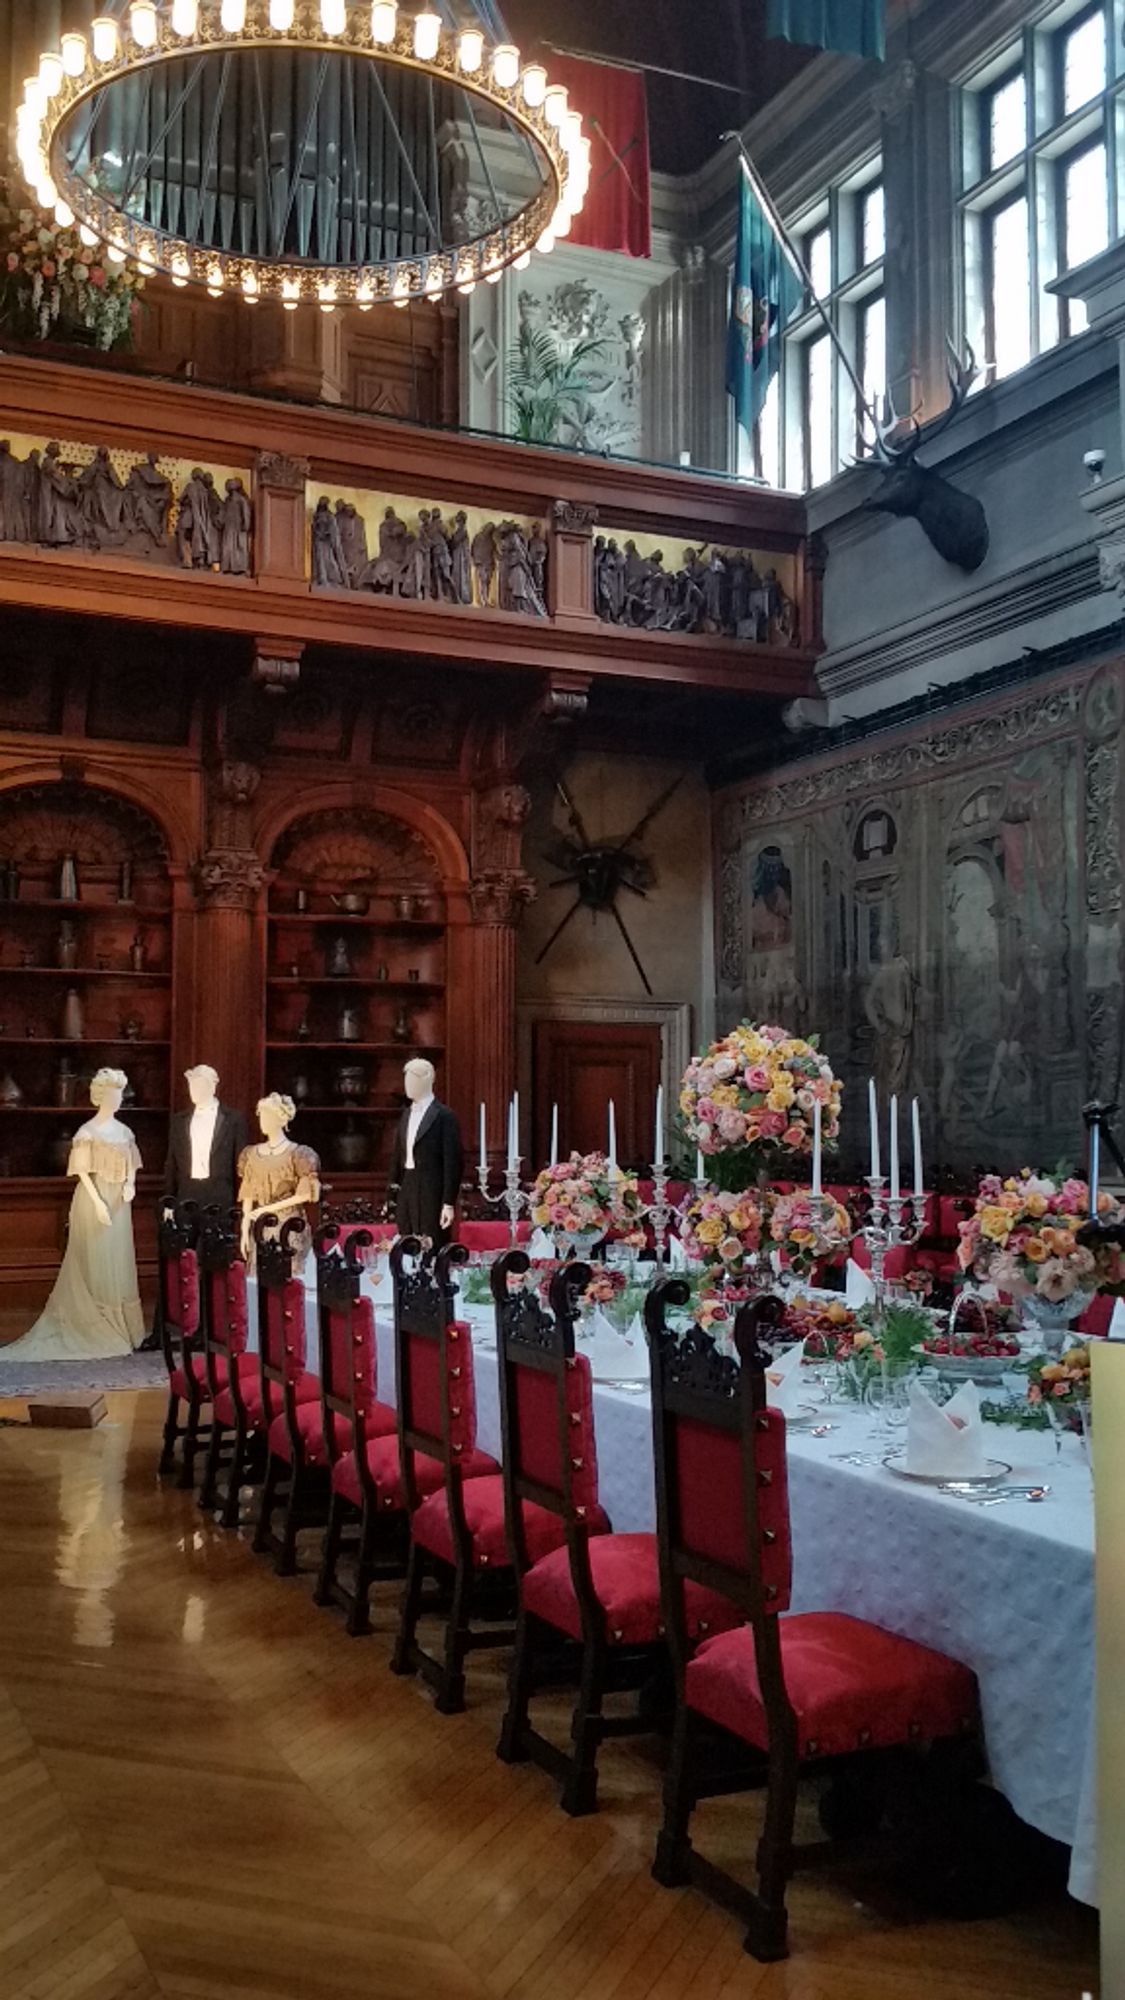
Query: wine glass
x,y
1060,1415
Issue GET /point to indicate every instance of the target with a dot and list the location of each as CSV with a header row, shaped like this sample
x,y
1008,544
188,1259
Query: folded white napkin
x,y
677,1255
860,1290
1117,1323
614,1356
541,1247
783,1380
946,1443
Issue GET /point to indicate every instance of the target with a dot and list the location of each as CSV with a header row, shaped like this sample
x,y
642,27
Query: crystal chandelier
x,y
295,149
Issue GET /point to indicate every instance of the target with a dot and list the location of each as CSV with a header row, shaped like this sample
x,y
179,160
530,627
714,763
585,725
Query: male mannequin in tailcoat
x,y
204,1145
427,1160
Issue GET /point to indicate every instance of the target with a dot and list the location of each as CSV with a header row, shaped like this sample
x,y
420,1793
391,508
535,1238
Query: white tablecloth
x,y
1009,1590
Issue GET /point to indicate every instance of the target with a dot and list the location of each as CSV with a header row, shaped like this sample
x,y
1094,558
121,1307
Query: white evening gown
x,y
95,1309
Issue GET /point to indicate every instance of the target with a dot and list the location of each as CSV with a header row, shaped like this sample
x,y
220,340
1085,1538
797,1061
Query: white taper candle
x,y
658,1131
816,1146
483,1143
873,1115
916,1130
554,1135
895,1188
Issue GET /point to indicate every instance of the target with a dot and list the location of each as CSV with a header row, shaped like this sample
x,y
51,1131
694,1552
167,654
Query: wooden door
x,y
580,1065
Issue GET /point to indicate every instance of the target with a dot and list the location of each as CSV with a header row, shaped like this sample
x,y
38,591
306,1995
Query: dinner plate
x,y
803,1418
997,1470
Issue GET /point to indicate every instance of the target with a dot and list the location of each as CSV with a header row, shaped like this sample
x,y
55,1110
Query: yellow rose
x,y
725,1096
781,1096
995,1223
710,1232
1036,1250
1036,1204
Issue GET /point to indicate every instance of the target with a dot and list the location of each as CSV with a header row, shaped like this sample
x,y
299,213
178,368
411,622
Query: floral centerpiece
x,y
581,1199
1023,1238
749,1100
721,1229
806,1228
1063,1381
51,283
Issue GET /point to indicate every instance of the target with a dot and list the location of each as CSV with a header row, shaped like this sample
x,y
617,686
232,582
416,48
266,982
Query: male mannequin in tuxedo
x,y
427,1160
204,1146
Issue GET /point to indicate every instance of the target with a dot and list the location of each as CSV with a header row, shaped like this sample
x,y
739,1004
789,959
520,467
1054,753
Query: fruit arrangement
x,y
828,1331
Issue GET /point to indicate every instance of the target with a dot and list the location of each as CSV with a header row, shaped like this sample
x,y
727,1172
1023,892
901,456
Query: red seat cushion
x,y
853,1686
307,1388
484,1518
197,1369
310,1429
383,1465
625,1572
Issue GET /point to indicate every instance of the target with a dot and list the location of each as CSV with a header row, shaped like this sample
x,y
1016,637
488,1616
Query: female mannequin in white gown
x,y
95,1309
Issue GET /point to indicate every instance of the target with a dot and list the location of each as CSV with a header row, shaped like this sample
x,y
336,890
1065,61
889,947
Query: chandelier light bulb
x,y
181,270
521,262
281,15
250,287
185,17
114,254
50,73
64,214
215,280
468,287
34,96
554,103
434,285
534,82
570,130
326,292
561,221
142,23
505,65
333,16
88,236
493,277
103,38
73,51
290,294
470,50
46,194
546,242
384,21
365,296
232,16
427,36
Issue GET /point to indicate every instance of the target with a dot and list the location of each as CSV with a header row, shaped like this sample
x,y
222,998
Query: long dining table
x,y
1007,1588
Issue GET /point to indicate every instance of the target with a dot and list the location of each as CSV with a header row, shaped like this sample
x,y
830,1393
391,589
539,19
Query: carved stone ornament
x,y
230,878
1111,567
720,591
238,780
893,97
275,676
574,517
284,474
500,896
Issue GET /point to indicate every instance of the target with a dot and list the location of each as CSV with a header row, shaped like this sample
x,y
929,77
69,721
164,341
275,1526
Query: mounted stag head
x,y
952,521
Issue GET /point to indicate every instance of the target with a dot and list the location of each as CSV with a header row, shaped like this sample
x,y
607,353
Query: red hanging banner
x,y
615,214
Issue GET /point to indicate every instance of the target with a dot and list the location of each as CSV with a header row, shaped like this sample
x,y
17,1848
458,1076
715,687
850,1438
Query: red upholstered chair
x,y
437,1428
288,1406
596,1591
352,1420
230,1369
182,1340
481,1237
799,1690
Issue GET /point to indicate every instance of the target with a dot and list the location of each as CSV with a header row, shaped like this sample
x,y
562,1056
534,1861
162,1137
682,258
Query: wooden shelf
x,y
38,904
396,926
79,972
358,1048
87,1042
341,983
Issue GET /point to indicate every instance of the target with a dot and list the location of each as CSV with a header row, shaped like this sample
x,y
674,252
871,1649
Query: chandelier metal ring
x,y
156,37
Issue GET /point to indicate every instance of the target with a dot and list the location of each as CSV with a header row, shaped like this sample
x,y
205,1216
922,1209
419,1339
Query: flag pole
x,y
797,265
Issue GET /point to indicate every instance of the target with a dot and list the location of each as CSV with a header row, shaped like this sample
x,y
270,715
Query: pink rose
x,y
732,1127
771,1123
758,1077
706,1111
794,1135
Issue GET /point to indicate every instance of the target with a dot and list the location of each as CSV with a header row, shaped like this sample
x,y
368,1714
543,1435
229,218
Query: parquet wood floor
x,y
208,1792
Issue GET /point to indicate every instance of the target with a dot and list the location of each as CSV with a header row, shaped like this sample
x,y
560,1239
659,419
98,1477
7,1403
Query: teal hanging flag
x,y
765,293
853,27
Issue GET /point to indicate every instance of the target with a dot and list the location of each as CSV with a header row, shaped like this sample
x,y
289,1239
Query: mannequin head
x,y
418,1079
107,1088
202,1083
274,1114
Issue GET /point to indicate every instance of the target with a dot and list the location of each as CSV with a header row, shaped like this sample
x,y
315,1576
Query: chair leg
x,y
208,1491
190,1446
285,1562
167,1459
402,1658
767,1935
450,1696
264,1524
323,1589
229,1516
358,1621
670,1863
580,1790
512,1747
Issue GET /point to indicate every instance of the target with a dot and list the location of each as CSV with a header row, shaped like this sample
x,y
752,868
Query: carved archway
x,y
346,802
124,790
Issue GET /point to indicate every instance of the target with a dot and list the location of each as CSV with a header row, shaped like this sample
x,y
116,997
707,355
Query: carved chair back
x,y
223,1309
282,1347
547,1415
346,1324
434,1369
176,1239
722,1500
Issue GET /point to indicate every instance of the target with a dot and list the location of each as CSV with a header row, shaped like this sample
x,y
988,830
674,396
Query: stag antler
x,y
962,372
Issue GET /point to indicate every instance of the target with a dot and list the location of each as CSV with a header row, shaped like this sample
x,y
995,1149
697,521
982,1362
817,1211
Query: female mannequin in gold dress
x,y
276,1177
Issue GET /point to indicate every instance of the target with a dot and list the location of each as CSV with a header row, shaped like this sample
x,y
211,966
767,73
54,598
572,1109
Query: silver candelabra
x,y
514,1198
895,1222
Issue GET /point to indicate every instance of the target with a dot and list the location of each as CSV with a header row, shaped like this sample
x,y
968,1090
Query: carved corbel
x,y
230,878
277,664
499,817
567,697
499,896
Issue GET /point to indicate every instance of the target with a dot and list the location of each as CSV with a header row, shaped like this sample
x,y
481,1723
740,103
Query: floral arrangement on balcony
x,y
751,1098
806,1228
581,1199
52,284
1023,1237
721,1229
